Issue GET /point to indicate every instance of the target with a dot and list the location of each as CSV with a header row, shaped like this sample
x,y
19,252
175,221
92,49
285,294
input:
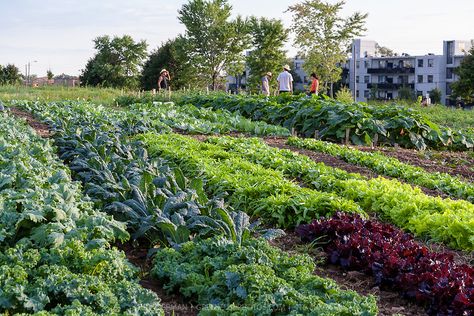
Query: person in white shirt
x,y
285,80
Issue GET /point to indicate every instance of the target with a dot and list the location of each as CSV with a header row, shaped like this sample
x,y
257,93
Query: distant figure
x,y
424,101
163,80
314,89
266,84
285,80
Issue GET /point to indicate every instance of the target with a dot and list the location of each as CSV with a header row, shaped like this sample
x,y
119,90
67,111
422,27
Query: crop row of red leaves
x,y
397,261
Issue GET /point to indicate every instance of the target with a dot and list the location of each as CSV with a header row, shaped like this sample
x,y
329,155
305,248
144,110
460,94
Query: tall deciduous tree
x,y
116,63
172,57
213,40
10,74
49,74
464,87
322,35
268,53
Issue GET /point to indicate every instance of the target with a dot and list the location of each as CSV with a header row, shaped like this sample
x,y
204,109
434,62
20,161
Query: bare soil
x,y
41,129
454,163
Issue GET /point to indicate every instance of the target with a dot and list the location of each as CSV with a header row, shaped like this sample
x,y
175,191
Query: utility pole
x,y
28,71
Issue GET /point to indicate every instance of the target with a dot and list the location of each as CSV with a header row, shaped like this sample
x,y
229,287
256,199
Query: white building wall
x,y
430,68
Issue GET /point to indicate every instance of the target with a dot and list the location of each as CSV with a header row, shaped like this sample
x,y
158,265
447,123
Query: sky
x,y
58,34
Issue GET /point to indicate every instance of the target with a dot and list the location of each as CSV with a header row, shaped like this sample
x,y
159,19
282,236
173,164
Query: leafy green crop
x,y
55,254
330,120
443,220
156,201
252,188
191,119
392,167
253,279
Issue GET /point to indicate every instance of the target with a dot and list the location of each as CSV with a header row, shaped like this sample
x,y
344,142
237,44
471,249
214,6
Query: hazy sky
x,y
58,34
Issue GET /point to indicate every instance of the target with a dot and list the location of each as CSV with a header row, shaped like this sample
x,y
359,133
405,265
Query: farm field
x,y
219,205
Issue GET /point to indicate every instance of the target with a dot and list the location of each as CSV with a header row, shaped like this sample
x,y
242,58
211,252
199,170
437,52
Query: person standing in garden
x,y
163,80
285,80
266,84
314,89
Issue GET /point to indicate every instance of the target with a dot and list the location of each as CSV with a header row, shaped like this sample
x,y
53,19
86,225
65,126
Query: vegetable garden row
x,y
329,119
202,201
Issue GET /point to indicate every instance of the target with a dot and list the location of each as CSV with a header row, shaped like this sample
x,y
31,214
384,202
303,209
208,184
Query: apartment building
x,y
378,77
372,76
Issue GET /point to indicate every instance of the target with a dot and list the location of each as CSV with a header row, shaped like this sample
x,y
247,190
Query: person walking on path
x,y
285,80
163,80
266,84
314,84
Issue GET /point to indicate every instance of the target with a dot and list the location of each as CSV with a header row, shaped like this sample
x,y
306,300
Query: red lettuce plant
x,y
396,261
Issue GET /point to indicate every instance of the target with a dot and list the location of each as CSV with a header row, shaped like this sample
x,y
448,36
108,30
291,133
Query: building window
x,y
448,88
297,66
419,93
430,63
366,79
450,52
366,94
357,79
357,93
430,78
420,78
420,63
449,73
366,64
381,79
357,64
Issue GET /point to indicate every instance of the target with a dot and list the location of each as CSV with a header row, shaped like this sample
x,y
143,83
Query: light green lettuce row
x,y
442,220
392,167
251,188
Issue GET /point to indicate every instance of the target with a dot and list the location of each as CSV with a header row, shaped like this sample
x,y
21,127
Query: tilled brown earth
x,y
41,129
454,163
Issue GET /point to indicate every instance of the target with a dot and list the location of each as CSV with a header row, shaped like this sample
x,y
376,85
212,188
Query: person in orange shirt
x,y
314,84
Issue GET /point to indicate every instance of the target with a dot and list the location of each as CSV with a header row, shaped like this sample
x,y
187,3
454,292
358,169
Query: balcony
x,y
395,70
390,86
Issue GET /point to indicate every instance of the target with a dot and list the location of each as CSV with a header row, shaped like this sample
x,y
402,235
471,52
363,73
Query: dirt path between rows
x,y
41,129
459,164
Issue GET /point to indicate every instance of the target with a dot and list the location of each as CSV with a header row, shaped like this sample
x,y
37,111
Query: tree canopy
x,y
9,74
213,40
116,63
268,54
322,35
464,87
172,57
